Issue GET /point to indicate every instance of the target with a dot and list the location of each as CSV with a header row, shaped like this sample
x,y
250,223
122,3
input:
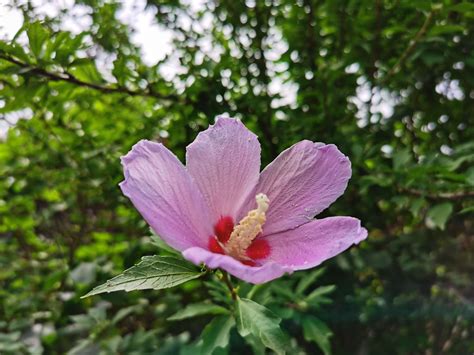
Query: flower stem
x,y
226,279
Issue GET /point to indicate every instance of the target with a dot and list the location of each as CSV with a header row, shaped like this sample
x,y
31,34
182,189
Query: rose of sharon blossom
x,y
222,211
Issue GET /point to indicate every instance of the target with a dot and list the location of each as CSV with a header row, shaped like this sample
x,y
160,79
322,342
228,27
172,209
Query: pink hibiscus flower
x,y
222,211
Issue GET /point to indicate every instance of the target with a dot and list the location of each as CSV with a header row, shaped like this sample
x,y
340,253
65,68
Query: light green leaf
x,y
198,309
153,272
316,331
256,320
216,334
438,215
37,36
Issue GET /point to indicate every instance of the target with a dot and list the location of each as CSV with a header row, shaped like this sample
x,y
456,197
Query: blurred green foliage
x,y
390,82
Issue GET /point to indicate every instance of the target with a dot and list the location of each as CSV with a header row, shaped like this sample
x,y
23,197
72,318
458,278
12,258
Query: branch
x,y
412,45
70,78
458,195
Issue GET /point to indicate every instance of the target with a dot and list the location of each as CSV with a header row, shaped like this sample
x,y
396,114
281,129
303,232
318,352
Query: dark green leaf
x,y
153,272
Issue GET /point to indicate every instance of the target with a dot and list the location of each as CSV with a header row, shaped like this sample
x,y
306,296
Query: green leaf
x,y
55,43
198,309
257,320
37,36
308,280
86,70
462,7
156,239
15,50
216,334
320,292
438,215
125,312
401,158
467,209
470,176
121,71
445,29
153,272
316,331
416,206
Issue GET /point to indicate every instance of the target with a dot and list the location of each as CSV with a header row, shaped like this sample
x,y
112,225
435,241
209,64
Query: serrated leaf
x,y
153,272
256,320
438,215
316,331
198,309
216,334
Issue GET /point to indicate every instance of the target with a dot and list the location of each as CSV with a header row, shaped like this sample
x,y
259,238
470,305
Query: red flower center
x,y
258,250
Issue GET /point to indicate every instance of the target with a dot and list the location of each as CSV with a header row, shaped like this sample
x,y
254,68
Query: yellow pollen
x,y
248,228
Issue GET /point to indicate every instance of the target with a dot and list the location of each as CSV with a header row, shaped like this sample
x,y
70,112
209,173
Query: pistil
x,y
248,229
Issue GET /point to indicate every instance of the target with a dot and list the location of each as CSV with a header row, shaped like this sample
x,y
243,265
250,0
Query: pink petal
x,y
312,243
300,183
252,274
166,196
224,160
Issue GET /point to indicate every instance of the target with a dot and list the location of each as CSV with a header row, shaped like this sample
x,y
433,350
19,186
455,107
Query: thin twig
x,y
70,78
